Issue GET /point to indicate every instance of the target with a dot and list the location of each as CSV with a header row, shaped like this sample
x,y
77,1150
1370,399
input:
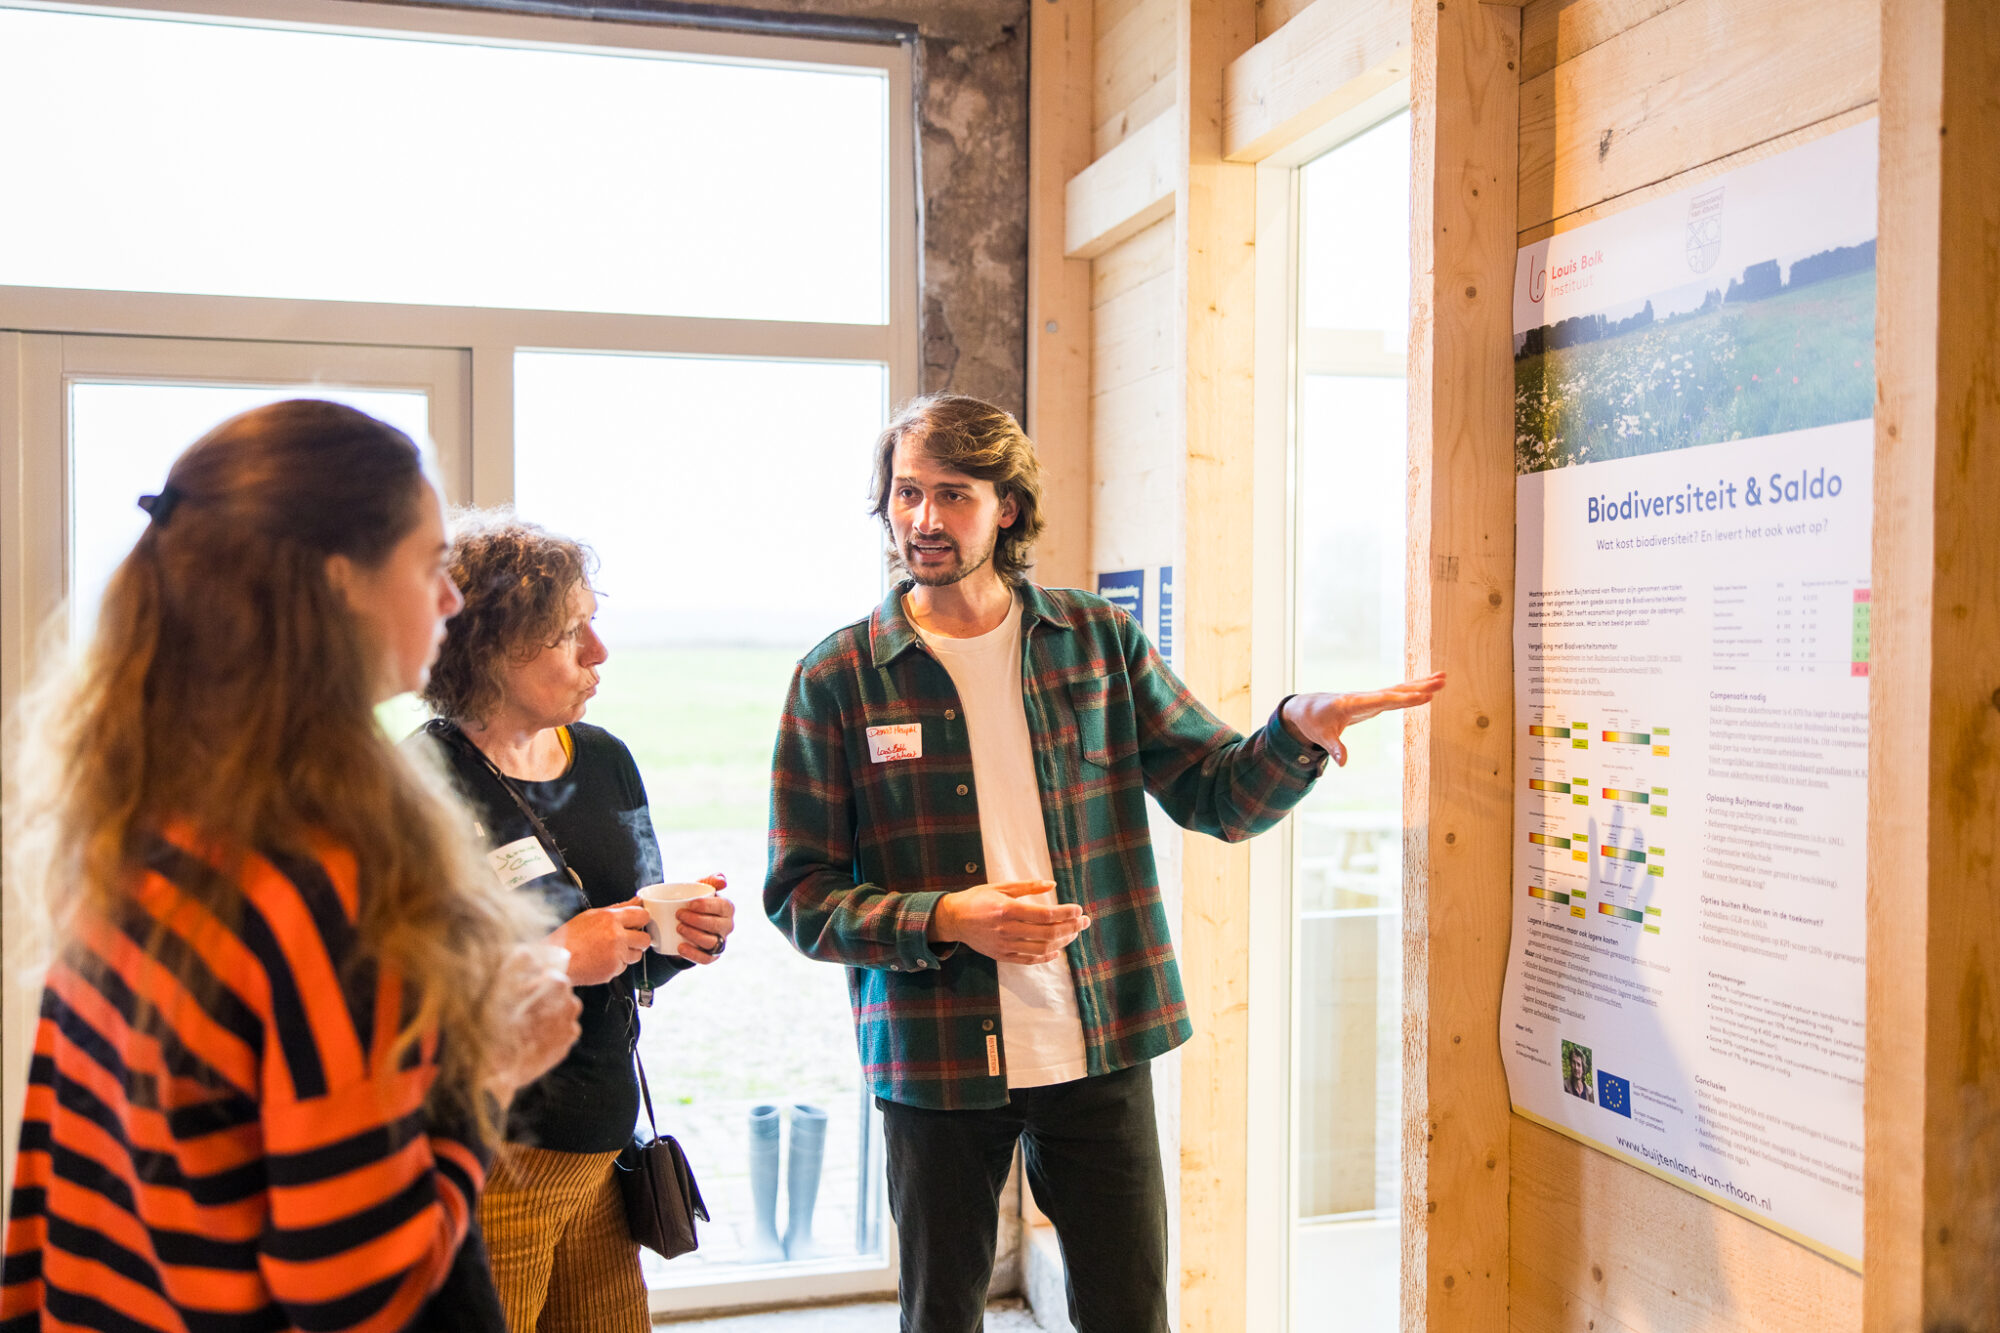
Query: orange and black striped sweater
x,y
220,1133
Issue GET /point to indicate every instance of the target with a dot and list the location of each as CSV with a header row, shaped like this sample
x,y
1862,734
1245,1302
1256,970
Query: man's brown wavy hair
x,y
982,441
517,579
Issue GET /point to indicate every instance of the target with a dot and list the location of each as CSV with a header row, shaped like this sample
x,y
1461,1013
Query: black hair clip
x,y
161,506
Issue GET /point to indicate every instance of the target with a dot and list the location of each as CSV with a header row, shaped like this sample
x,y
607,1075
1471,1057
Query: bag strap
x,y
645,1091
448,731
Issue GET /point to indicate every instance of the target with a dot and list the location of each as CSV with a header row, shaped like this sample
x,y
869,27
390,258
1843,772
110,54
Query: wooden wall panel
x,y
1215,251
1134,63
1690,84
1059,107
1134,334
1275,14
1150,254
1592,1233
1768,148
1134,421
1457,783
1933,1098
1156,101
1553,31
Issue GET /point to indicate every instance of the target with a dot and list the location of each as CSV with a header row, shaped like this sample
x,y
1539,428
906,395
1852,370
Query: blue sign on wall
x,y
1163,639
1125,588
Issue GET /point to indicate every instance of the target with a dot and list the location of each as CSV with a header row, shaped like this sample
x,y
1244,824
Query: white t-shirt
x,y
1040,1027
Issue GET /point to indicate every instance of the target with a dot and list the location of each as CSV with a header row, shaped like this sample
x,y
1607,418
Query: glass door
x,y
130,405
727,502
692,389
88,424
1349,448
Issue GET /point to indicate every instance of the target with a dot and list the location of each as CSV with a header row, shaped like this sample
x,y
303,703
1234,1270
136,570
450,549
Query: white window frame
x,y
1279,371
34,466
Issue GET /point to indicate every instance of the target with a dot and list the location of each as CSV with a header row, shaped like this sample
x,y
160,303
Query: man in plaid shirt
x,y
958,817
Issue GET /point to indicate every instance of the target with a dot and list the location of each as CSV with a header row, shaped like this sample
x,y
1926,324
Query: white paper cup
x,y
662,901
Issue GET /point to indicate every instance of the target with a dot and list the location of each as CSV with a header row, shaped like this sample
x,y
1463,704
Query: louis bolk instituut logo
x,y
1704,235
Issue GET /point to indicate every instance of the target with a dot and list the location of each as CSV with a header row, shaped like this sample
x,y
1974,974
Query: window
x,y
230,159
125,434
656,287
1326,993
1347,616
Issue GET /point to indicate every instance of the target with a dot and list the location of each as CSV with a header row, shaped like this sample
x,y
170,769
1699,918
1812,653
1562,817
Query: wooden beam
x,y
1696,82
1458,817
1932,1179
1124,192
1553,31
1059,99
1334,55
1215,250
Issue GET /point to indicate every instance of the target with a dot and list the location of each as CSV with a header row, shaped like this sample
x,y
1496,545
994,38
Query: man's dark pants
x,y
1092,1155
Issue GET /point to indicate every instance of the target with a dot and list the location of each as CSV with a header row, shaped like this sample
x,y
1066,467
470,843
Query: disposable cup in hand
x,y
662,901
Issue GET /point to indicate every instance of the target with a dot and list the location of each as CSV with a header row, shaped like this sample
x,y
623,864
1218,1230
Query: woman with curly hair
x,y
287,1004
562,807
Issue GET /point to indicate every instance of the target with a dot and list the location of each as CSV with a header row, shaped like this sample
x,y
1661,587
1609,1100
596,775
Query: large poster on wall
x,y
1694,381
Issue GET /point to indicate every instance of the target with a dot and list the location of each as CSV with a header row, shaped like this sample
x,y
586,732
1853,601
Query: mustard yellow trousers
x,y
564,1260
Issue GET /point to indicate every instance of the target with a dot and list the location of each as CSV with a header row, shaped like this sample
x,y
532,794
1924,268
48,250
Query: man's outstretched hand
x,y
1320,718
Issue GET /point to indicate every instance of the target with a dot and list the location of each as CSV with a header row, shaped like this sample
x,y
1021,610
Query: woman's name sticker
x,y
519,862
899,742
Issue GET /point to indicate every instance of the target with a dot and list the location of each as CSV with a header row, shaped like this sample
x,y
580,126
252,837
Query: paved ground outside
x,y
873,1317
762,1026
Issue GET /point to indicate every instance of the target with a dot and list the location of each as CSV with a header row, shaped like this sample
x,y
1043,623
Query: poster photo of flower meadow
x,y
1774,349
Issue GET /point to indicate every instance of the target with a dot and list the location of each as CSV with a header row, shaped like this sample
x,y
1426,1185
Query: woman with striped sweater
x,y
286,1004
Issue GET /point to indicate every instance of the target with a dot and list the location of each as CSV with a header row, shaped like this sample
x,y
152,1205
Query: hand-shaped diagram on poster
x,y
1694,382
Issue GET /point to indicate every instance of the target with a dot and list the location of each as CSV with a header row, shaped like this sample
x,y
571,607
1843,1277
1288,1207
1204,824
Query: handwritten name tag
x,y
519,862
901,742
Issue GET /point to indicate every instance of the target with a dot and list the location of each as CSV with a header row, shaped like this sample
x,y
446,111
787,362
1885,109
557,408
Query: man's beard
x,y
944,578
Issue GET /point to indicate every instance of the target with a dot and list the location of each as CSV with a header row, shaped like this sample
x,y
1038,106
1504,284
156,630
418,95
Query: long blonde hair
x,y
227,690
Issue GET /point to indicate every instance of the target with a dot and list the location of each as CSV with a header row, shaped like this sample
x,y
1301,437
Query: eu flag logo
x,y
1614,1094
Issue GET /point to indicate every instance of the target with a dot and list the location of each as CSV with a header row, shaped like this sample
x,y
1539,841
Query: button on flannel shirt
x,y
860,851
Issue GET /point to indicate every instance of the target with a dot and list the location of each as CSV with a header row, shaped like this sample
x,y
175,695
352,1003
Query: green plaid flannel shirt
x,y
860,852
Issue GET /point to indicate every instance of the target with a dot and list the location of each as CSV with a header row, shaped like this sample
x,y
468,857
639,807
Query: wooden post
x,y
1215,235
1933,1091
1465,96
1059,146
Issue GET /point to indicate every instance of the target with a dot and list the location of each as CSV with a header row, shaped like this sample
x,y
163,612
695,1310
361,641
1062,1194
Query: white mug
x,y
662,901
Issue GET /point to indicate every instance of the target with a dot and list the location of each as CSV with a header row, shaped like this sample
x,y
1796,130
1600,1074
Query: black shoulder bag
x,y
662,1200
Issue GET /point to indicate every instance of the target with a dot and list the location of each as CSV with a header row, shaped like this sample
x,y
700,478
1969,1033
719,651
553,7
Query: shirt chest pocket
x,y
1103,722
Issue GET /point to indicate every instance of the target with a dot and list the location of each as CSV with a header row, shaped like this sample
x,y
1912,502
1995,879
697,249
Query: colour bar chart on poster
x,y
1694,451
